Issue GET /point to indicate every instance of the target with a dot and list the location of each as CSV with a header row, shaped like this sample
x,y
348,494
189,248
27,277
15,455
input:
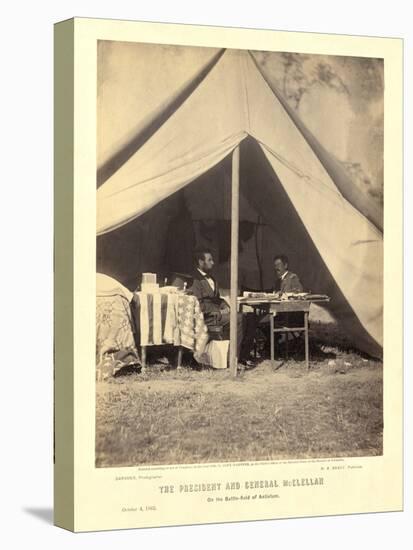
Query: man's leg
x,y
249,325
225,321
246,327
241,326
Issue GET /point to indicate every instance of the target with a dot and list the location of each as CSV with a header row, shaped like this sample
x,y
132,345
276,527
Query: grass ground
x,y
278,410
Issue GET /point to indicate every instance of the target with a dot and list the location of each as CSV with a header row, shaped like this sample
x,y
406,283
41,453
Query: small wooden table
x,y
289,306
272,307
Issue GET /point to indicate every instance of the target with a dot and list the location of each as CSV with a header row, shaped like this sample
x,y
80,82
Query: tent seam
x,y
246,101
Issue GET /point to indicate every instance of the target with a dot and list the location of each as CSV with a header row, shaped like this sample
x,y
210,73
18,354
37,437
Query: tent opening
x,y
162,240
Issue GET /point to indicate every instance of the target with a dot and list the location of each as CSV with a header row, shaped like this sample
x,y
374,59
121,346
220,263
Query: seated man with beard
x,y
216,310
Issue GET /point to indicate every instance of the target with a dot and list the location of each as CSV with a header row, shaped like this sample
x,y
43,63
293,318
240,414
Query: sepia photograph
x,y
239,255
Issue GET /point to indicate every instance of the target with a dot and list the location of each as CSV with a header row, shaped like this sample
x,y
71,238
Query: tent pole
x,y
233,359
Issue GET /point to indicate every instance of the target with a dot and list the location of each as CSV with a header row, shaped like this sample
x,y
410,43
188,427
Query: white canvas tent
x,y
331,233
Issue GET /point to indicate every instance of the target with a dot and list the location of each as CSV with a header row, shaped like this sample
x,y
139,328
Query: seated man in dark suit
x,y
215,309
287,281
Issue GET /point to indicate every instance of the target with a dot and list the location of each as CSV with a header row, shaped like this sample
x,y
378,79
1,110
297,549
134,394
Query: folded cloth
x,y
192,332
115,343
215,354
111,363
157,319
169,318
154,314
144,319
